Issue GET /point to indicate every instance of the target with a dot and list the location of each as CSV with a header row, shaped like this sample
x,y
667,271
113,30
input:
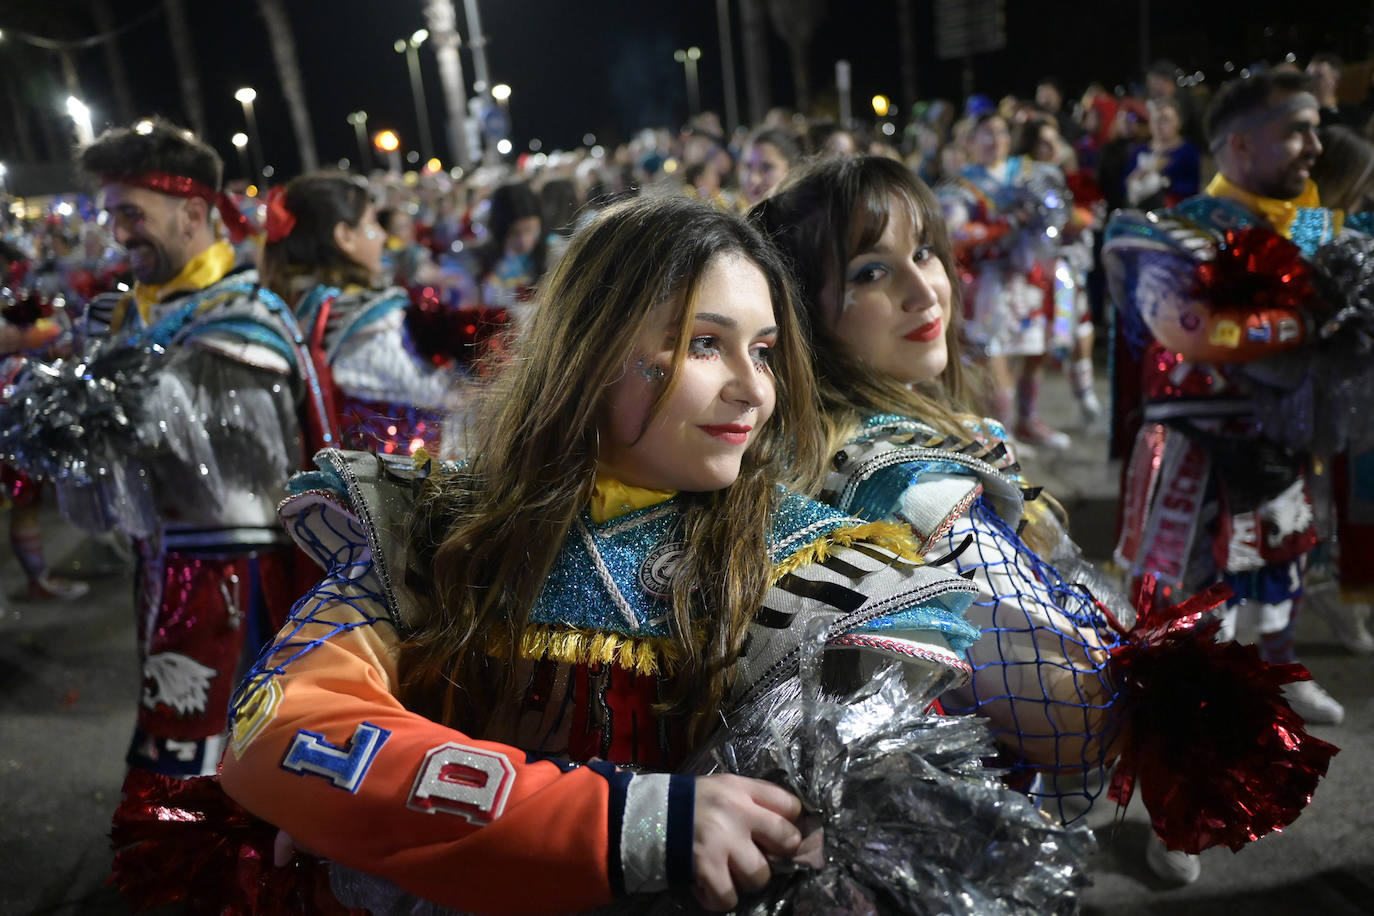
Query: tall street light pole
x,y
240,141
442,20
359,121
411,49
245,97
689,59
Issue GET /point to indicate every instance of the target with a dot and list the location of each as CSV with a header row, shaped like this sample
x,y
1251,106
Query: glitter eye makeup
x,y
703,348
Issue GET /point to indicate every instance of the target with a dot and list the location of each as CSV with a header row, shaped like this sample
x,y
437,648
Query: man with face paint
x,y
1207,496
218,389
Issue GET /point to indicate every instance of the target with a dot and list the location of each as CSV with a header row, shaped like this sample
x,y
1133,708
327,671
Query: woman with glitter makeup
x,y
868,244
323,255
1063,669
613,569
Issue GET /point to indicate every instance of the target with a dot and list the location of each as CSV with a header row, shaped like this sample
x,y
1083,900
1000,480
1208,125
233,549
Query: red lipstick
x,y
927,332
733,433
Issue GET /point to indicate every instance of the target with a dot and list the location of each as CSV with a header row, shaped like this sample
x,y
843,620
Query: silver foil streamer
x,y
912,822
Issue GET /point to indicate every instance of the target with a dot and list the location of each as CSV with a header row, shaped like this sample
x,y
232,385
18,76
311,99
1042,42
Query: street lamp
x,y
389,143
689,59
411,49
245,97
81,117
359,121
240,142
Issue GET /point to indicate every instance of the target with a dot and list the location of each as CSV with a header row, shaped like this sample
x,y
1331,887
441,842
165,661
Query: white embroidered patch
x,y
177,681
467,781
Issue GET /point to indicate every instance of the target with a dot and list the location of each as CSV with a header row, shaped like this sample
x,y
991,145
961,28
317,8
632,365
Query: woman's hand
x,y
738,823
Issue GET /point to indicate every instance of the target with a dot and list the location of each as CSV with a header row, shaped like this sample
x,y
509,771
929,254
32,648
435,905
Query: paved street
x,y
68,686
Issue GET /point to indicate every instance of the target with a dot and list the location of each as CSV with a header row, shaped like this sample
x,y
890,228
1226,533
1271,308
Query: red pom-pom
x,y
444,334
1256,268
1217,753
186,842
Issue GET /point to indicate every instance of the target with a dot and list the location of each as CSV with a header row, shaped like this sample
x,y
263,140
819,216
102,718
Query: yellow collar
x,y
1279,213
206,268
611,498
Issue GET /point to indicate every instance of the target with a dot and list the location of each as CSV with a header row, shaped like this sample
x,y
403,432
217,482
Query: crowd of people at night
x,y
633,471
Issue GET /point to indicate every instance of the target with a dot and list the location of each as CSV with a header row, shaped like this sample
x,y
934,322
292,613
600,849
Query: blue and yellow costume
x,y
323,748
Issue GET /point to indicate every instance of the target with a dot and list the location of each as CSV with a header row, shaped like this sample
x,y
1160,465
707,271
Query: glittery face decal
x,y
650,371
345,767
849,298
467,781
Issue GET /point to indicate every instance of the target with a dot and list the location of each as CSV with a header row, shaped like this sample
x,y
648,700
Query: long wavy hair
x,y
819,218
490,534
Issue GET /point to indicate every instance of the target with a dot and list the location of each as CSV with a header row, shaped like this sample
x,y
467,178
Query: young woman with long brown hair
x,y
613,569
876,276
1054,670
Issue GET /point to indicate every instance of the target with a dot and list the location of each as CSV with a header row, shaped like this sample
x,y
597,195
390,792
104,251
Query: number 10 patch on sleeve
x,y
467,781
345,767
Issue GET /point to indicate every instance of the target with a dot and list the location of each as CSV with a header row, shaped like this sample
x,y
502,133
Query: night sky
x,y
606,66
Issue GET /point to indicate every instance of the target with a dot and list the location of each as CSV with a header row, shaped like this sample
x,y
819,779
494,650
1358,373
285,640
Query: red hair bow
x,y
280,221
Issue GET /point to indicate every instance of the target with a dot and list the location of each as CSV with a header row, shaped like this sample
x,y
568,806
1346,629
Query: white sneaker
x,y
1316,706
1348,622
1173,865
1036,432
1091,408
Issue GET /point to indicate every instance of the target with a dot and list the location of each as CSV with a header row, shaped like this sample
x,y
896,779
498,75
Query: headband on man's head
x,y
237,224
1244,121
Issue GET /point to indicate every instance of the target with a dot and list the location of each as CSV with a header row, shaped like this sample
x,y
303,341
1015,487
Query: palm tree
x,y
796,21
754,32
906,37
119,78
187,77
289,74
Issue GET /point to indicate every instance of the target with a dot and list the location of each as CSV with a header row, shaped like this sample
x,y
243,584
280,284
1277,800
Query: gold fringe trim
x,y
642,655
893,536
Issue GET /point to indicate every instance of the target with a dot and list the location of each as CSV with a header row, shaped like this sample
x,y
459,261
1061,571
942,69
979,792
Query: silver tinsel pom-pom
x,y
911,822
1317,398
79,422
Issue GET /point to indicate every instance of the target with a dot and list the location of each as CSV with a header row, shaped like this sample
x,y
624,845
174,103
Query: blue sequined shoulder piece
x,y
617,576
1362,222
800,521
1215,213
1312,228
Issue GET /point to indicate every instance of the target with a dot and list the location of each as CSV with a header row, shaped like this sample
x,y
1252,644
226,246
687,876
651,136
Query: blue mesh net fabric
x,y
348,592
1040,668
